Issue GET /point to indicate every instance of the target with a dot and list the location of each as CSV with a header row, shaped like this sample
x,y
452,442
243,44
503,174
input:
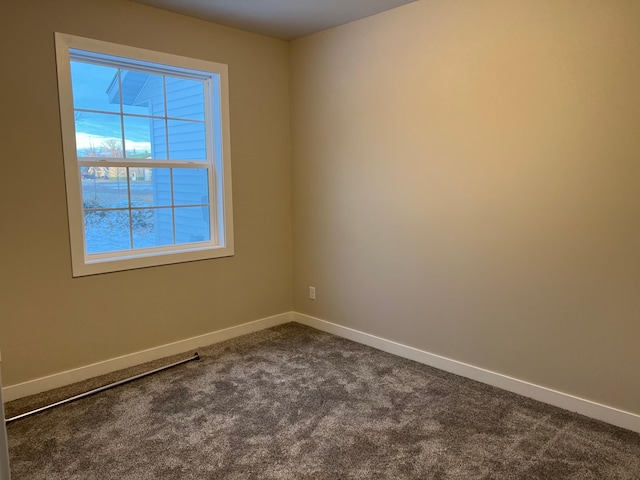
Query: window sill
x,y
87,266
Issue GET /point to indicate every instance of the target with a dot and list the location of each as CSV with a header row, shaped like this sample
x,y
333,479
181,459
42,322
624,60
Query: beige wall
x,y
51,322
466,180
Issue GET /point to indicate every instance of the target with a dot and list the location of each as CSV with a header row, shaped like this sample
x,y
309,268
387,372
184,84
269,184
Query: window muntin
x,y
147,177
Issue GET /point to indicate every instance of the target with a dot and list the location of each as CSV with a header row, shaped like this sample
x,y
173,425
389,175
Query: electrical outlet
x,y
312,293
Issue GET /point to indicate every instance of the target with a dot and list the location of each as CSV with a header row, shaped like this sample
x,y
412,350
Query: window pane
x,y
107,231
151,187
146,233
95,87
190,186
192,224
142,93
137,137
164,225
185,98
98,135
99,190
187,140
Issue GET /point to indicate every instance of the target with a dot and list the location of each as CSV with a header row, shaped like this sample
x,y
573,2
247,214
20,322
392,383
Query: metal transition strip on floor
x,y
100,389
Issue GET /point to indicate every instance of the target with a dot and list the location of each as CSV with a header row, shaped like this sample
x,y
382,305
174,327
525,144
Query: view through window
x,y
148,158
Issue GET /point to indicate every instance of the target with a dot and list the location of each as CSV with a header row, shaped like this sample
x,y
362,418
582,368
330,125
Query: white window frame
x,y
218,162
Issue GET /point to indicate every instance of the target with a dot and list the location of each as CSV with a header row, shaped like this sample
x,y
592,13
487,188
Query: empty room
x,y
320,239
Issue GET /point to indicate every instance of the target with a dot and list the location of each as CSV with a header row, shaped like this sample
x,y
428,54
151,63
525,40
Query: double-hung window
x,y
146,151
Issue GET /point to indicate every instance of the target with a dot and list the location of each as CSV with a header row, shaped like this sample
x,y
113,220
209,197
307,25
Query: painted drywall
x,y
5,473
466,181
51,322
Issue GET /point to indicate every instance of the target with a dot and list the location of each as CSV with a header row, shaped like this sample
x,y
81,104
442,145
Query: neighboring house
x,y
96,172
144,97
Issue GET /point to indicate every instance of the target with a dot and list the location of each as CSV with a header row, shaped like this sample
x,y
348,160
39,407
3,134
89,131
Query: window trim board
x,y
219,174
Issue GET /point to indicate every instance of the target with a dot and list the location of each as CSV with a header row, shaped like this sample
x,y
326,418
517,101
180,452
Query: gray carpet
x,y
295,403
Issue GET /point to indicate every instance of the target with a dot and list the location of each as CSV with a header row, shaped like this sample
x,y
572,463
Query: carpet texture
x,y
295,403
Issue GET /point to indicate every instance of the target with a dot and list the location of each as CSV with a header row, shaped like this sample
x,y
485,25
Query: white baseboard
x,y
572,403
613,416
68,377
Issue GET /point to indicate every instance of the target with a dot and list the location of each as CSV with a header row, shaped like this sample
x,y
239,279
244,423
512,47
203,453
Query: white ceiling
x,y
285,19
